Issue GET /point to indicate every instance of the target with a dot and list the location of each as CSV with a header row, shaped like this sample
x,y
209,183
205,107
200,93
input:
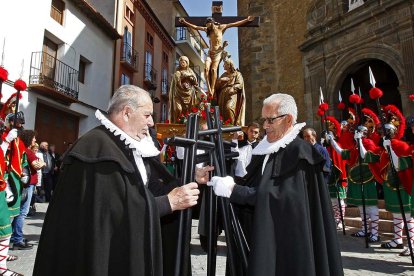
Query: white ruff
x,y
144,148
264,147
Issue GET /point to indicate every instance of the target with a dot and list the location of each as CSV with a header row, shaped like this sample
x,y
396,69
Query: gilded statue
x,y
183,87
230,94
214,31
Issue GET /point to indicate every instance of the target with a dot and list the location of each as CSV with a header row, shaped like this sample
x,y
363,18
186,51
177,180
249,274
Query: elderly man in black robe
x,y
103,220
293,231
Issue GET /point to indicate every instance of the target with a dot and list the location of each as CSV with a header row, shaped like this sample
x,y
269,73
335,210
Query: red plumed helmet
x,y
20,85
341,106
3,74
395,117
411,97
7,105
354,99
334,125
375,93
324,107
371,115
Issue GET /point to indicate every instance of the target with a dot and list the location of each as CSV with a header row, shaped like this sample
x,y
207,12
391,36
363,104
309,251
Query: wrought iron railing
x,y
129,55
150,74
49,71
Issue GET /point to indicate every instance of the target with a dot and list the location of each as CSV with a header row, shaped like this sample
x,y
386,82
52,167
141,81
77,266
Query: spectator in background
x,y
309,134
28,138
245,147
55,164
409,131
47,171
37,189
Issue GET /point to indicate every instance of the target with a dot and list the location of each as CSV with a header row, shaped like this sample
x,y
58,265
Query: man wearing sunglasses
x,y
293,231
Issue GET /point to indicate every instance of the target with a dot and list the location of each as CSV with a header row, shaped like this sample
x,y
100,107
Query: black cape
x,y
293,231
102,220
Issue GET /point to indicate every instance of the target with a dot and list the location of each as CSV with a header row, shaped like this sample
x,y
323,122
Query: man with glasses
x,y
293,231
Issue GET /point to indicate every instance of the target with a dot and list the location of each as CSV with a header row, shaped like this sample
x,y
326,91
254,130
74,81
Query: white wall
x,y
24,24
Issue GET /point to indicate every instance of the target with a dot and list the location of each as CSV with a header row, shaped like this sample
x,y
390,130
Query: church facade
x,y
338,40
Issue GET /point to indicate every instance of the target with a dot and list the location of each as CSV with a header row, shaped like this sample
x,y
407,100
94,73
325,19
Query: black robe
x,y
102,220
293,231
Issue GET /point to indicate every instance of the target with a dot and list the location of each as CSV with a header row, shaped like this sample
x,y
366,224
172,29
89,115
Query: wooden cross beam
x,y
217,15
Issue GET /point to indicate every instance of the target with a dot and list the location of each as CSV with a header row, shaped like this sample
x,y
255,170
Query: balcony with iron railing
x,y
150,76
52,78
183,36
129,57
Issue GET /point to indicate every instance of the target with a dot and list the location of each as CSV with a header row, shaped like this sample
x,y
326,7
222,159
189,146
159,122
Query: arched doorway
x,y
386,80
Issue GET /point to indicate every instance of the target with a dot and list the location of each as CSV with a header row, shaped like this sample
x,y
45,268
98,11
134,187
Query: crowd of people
x,y
363,150
110,195
28,175
106,216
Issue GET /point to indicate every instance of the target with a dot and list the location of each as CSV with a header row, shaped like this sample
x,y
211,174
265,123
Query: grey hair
x,y
130,95
287,104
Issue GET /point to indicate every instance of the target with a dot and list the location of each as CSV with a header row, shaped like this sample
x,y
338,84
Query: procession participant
x,y
102,219
371,122
19,173
337,182
402,162
5,225
293,229
359,173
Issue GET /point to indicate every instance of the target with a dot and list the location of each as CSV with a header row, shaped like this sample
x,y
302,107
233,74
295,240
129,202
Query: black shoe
x,y
373,238
21,246
360,234
405,252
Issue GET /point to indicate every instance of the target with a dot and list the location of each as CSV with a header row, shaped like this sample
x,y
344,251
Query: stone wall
x,y
340,41
270,59
298,49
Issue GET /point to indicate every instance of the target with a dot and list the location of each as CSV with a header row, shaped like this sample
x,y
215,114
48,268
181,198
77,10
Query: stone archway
x,y
388,71
386,80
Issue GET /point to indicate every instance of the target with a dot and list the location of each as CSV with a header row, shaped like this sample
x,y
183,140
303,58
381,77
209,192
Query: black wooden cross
x,y
190,144
230,221
217,14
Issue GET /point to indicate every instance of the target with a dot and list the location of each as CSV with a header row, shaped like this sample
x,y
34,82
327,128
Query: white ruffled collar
x,y
144,148
264,147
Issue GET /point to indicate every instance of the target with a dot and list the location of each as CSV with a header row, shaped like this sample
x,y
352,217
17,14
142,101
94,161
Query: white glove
x,y
222,186
358,135
11,135
9,194
395,160
24,179
329,137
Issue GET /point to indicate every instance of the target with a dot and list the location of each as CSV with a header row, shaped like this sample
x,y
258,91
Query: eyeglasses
x,y
272,119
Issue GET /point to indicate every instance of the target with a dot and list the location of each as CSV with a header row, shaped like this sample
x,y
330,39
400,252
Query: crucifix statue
x,y
215,26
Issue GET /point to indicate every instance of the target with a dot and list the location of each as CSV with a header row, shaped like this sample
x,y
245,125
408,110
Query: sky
x,y
203,8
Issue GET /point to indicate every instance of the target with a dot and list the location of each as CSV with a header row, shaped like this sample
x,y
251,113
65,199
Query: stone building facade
x,y
269,56
343,40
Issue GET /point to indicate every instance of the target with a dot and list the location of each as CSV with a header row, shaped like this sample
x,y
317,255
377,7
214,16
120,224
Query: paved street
x,y
356,258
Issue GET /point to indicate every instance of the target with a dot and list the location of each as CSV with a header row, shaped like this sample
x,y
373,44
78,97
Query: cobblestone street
x,y
357,259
